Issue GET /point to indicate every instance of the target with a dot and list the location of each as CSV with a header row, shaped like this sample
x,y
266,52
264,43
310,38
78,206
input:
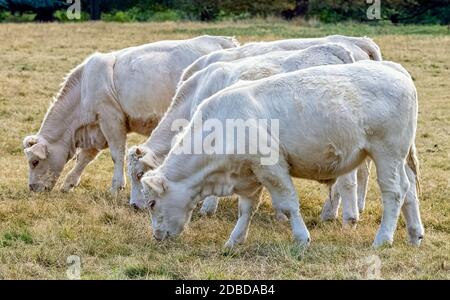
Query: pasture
x,y
39,231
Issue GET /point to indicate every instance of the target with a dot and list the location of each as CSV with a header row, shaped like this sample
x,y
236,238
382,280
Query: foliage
x,y
6,16
119,16
397,11
43,9
328,11
262,8
167,15
137,15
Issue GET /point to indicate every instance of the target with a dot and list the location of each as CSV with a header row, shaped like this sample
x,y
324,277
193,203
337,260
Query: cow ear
x,y
136,152
139,152
39,150
29,141
156,183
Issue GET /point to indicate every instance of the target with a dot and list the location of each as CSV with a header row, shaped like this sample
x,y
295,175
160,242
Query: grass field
x,y
39,232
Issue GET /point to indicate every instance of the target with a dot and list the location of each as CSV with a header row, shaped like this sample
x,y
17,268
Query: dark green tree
x,y
44,9
3,5
257,7
300,10
199,9
419,11
95,11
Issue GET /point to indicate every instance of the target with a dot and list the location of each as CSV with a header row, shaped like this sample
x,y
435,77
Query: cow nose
x,y
159,235
33,187
158,238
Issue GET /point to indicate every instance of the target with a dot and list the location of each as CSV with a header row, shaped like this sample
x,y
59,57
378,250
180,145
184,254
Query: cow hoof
x,y
361,206
230,244
416,242
303,241
415,236
114,193
326,216
382,240
328,212
281,217
350,223
209,206
233,242
67,188
116,190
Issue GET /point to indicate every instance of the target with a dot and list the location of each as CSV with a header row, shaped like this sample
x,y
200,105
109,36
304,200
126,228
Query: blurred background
x,y
325,11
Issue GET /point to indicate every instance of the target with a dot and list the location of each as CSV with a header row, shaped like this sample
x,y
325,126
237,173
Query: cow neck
x,y
63,113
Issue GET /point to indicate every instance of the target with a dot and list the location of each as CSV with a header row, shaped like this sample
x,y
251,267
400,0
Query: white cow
x,y
345,188
103,99
206,83
330,119
361,47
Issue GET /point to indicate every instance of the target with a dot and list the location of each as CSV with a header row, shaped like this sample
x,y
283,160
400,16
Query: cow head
x,y
170,204
136,169
45,162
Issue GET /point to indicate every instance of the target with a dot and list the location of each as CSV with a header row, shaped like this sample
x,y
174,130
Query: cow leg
x,y
363,182
248,204
347,189
84,157
331,207
411,211
394,184
209,206
116,137
279,183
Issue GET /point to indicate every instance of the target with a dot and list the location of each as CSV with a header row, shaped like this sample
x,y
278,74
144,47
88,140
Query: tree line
x,y
396,11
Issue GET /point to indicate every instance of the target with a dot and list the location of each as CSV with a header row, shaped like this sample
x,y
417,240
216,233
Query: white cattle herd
x,y
224,119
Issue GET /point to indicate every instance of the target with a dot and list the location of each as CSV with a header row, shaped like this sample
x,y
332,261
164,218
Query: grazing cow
x,y
330,118
361,47
206,83
103,99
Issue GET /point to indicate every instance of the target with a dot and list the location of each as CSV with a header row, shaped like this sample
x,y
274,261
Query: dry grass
x,y
38,232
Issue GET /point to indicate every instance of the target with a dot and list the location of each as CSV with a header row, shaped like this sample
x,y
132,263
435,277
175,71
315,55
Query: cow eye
x,y
151,204
35,163
139,175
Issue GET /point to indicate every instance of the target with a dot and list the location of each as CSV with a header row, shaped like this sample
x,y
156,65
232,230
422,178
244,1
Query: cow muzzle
x,y
37,187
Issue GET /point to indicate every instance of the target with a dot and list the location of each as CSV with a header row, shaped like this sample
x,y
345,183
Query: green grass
x,y
39,231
